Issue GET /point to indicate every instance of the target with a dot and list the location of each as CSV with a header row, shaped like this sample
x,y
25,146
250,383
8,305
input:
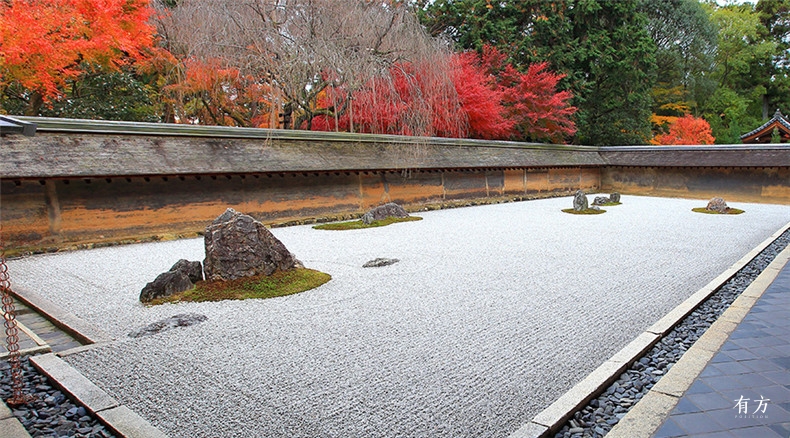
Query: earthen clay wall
x,y
78,185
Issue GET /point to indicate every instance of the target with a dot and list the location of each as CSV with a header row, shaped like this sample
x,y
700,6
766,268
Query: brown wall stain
x,y
62,213
465,184
377,188
760,185
514,182
23,213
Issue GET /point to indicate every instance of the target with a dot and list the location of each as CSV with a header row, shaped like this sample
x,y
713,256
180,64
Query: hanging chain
x,y
12,336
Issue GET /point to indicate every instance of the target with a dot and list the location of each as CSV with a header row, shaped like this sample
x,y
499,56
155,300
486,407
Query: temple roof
x,y
764,132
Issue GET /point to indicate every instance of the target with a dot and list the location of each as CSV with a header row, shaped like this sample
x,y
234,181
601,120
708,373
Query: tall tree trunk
x,y
34,105
766,110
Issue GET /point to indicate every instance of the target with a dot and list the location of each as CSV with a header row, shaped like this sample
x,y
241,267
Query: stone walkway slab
x,y
744,354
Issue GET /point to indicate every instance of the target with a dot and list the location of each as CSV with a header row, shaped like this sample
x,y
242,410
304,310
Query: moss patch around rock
x,y
356,225
279,284
588,211
706,211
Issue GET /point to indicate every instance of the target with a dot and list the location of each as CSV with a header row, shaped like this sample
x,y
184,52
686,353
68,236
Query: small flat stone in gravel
x,y
379,262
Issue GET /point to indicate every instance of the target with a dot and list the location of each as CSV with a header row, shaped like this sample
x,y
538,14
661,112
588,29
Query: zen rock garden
x,y
237,247
581,204
380,216
717,205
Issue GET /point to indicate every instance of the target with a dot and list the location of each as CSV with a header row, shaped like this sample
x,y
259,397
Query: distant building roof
x,y
763,133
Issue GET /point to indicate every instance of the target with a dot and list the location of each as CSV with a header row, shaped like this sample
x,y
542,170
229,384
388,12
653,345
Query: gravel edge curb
x,y
551,419
10,425
81,330
649,414
118,418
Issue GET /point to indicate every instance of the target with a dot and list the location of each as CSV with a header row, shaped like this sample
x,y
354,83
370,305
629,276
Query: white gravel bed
x,y
492,313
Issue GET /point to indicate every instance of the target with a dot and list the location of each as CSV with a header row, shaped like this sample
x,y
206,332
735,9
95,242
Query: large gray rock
x,y
614,198
239,246
384,211
193,270
580,201
718,204
166,284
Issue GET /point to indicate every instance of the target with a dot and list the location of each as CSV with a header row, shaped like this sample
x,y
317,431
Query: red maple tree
x,y
537,110
45,44
687,130
210,92
481,99
486,98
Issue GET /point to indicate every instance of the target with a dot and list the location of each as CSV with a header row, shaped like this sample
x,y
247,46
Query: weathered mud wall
x,y
744,184
55,213
80,183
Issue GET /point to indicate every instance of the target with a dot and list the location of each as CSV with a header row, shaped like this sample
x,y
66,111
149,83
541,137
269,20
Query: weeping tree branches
x,y
307,58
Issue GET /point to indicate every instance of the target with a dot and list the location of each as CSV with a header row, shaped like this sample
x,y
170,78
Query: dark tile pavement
x,y
744,391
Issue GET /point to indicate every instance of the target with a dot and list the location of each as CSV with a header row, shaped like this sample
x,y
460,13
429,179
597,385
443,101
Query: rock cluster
x,y
239,246
384,211
181,277
717,205
51,413
601,200
580,202
602,413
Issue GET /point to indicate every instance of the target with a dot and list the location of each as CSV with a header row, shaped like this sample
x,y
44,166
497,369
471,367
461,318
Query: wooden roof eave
x,y
777,121
767,130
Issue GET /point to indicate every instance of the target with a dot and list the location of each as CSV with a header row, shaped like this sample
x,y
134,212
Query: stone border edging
x,y
40,348
117,417
9,424
78,328
553,417
651,411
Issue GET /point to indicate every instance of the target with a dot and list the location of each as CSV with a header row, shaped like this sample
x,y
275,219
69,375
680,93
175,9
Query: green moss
x,y
609,204
279,284
356,225
706,211
588,211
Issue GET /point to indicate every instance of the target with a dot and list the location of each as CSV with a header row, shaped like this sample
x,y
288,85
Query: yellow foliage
x,y
677,107
661,121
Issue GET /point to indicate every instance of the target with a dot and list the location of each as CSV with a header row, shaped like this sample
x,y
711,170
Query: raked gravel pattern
x,y
491,314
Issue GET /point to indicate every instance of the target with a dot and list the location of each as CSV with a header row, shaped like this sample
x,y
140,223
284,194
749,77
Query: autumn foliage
x,y
410,100
537,110
48,47
686,130
45,44
212,92
486,98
